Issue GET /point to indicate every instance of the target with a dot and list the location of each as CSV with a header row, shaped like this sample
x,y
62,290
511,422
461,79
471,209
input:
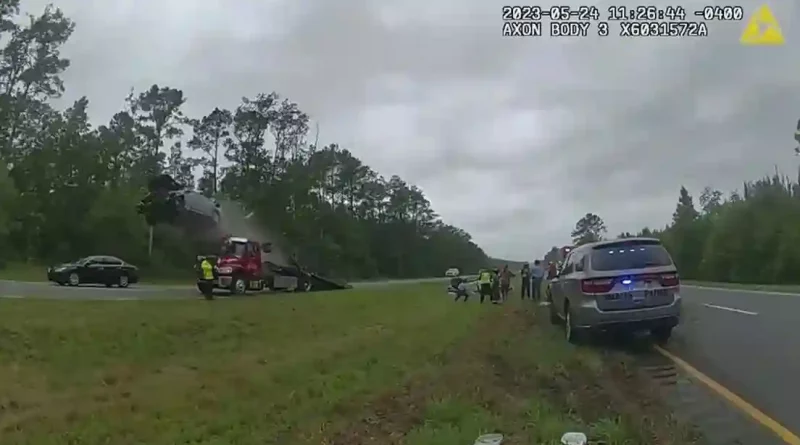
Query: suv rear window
x,y
629,255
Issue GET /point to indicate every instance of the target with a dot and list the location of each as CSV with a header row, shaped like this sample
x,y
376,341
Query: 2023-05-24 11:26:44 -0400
x,y
592,13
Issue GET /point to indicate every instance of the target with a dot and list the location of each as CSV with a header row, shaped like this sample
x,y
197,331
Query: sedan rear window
x,y
629,255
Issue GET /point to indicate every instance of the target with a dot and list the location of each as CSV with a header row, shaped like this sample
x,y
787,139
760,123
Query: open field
x,y
390,365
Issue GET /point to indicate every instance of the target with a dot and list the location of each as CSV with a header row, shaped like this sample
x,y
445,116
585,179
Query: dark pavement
x,y
25,289
749,342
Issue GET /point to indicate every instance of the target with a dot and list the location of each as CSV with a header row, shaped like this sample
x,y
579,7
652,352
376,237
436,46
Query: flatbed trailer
x,y
276,278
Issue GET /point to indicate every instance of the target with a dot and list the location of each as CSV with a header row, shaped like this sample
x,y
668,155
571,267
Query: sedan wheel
x,y
123,281
74,279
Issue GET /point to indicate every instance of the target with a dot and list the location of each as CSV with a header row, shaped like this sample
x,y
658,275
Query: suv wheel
x,y
554,318
571,333
661,335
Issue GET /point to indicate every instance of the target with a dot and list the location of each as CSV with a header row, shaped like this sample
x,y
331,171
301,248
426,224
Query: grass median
x,y
394,365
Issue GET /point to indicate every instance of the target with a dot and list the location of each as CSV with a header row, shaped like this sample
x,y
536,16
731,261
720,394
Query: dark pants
x,y
486,291
207,288
460,292
525,288
536,288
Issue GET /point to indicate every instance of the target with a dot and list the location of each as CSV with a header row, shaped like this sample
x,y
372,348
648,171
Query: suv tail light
x,y
669,280
597,286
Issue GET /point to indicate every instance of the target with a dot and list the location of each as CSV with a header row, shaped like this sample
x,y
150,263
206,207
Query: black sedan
x,y
98,269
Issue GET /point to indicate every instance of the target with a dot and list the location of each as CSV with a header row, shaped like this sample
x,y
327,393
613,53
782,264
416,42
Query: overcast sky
x,y
512,139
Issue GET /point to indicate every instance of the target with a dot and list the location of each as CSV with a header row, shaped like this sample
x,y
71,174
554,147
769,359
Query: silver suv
x,y
626,284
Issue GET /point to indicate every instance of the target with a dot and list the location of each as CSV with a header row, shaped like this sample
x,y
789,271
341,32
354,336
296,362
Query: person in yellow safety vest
x,y
485,278
206,283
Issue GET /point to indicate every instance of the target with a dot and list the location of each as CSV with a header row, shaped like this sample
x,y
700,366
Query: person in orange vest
x,y
551,270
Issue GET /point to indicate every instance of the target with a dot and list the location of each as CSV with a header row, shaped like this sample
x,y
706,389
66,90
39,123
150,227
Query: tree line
x,y
68,188
745,237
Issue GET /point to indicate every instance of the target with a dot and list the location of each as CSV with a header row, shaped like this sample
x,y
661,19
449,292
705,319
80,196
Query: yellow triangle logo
x,y
762,29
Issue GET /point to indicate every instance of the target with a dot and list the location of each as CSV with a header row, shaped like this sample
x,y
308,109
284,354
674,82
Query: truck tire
x,y
238,286
303,284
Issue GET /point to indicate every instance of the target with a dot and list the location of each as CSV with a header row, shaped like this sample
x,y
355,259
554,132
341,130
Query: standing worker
x,y
505,282
496,285
525,274
537,275
206,280
485,284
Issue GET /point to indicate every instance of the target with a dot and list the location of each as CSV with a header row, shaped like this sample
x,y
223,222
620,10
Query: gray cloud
x,y
511,139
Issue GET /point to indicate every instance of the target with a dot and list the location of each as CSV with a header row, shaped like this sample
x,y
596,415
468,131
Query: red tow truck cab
x,y
239,266
242,266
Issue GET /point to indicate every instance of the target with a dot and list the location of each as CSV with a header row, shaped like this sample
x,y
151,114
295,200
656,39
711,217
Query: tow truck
x,y
243,266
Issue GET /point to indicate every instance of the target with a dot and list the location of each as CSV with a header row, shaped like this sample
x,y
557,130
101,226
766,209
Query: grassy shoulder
x,y
789,288
393,365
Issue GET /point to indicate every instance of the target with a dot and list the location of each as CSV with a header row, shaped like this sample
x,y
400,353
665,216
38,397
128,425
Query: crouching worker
x,y
205,279
458,287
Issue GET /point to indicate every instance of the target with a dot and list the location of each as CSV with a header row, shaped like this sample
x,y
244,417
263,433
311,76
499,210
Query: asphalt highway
x,y
749,342
26,289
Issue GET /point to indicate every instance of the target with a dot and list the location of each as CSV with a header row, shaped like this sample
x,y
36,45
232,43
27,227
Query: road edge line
x,y
729,309
744,291
768,422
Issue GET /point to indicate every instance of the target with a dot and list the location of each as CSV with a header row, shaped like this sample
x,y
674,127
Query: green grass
x,y
790,288
391,365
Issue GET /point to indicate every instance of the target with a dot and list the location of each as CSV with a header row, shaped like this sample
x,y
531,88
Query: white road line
x,y
743,291
738,311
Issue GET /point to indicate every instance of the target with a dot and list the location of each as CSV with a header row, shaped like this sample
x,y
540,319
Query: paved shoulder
x,y
25,289
748,341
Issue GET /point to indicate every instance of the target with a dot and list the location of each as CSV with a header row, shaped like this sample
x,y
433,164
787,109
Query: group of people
x,y
495,284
